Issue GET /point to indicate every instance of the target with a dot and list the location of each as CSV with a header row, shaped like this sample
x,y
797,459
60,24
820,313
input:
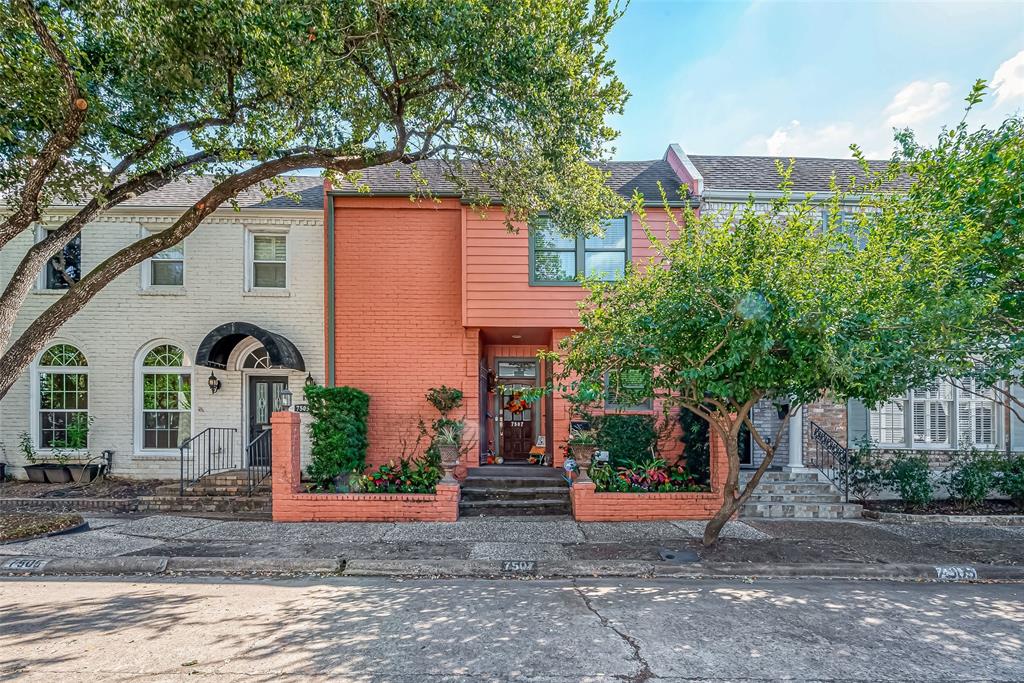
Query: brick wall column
x,y
286,446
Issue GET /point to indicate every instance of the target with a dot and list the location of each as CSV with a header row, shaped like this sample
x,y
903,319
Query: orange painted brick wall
x,y
590,506
398,314
289,504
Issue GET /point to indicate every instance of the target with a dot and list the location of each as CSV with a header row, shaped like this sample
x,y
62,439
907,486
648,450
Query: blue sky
x,y
808,78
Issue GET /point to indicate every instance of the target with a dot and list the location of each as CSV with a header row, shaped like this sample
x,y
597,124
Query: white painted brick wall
x,y
123,318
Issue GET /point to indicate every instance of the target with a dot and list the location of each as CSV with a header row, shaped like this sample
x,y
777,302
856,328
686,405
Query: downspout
x,y
329,264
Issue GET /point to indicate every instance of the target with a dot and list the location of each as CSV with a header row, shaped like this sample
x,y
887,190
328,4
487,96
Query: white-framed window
x,y
60,398
64,268
941,415
163,397
166,268
267,255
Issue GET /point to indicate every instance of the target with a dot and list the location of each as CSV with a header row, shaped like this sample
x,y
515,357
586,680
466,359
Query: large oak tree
x,y
105,101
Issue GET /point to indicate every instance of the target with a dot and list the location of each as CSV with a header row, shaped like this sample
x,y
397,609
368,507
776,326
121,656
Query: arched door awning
x,y
220,342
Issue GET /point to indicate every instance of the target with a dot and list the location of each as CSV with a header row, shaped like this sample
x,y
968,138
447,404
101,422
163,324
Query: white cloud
x,y
1008,81
796,139
917,102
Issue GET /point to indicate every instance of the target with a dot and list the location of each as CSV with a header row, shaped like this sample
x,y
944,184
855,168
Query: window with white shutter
x,y
888,424
976,415
932,408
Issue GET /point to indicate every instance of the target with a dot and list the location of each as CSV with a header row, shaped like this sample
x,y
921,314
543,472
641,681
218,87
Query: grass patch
x,y
14,526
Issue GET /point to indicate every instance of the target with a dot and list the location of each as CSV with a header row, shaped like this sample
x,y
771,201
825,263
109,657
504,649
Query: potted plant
x,y
35,470
582,444
74,444
447,441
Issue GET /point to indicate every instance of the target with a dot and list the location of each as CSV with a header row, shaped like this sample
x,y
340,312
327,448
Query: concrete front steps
x,y
222,493
514,490
795,495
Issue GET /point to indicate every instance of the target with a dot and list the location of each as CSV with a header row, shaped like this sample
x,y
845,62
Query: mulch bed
x,y
16,526
110,487
946,507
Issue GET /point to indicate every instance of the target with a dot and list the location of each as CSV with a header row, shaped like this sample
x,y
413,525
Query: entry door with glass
x,y
264,399
517,418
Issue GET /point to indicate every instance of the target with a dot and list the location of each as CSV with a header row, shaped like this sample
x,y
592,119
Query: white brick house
x,y
147,369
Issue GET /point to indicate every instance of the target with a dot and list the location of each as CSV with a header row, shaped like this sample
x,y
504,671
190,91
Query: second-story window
x,y
167,268
65,267
268,261
557,259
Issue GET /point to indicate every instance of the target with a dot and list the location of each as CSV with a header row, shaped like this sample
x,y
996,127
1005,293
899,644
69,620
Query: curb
x,y
482,569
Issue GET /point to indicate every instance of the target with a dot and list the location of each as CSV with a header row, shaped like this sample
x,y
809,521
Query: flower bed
x,y
291,504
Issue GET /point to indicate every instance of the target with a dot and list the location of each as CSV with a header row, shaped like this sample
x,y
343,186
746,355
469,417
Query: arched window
x,y
257,359
166,397
62,398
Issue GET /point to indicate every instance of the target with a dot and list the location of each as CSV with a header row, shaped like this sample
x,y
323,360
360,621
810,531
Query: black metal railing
x,y
211,450
257,458
831,458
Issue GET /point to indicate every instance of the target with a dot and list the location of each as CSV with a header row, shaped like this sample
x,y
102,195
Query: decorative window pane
x,y
65,267
269,261
168,267
628,389
62,388
166,398
515,368
259,358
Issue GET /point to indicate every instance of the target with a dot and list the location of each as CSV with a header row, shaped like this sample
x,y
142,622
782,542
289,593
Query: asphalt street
x,y
364,629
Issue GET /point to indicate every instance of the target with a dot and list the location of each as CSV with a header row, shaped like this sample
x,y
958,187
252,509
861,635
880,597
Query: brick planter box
x,y
590,506
290,504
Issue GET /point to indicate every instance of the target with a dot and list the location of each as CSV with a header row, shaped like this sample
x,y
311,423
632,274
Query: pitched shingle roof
x,y
760,173
397,178
190,189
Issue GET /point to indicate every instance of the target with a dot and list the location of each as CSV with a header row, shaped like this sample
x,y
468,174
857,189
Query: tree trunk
x,y
729,498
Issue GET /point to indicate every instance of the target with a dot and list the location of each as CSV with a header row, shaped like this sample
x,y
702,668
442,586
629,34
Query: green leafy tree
x,y
971,181
105,101
766,304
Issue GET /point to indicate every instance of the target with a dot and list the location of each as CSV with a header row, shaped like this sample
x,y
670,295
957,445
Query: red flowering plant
x,y
653,475
407,476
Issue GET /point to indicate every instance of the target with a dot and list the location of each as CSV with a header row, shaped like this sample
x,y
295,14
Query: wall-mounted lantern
x,y
213,383
286,398
310,382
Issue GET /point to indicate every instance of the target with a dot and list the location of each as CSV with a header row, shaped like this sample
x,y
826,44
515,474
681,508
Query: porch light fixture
x,y
517,336
310,382
213,383
286,398
783,409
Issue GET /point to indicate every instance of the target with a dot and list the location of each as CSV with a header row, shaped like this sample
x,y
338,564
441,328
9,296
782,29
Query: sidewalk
x,y
557,546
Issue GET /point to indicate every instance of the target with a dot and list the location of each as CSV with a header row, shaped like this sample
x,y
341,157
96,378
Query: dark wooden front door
x,y
264,399
517,418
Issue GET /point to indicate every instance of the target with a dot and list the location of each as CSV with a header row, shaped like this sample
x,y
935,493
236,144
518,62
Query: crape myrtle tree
x,y
972,179
104,101
766,304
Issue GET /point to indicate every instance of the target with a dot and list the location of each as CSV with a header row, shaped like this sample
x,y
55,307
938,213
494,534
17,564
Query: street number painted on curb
x,y
519,566
24,564
956,573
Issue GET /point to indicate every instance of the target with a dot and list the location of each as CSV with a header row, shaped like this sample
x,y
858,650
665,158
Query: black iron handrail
x,y
211,450
831,458
257,460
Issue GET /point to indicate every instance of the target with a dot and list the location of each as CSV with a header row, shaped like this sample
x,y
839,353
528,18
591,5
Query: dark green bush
x,y
696,445
865,472
1010,482
970,476
627,438
338,432
909,474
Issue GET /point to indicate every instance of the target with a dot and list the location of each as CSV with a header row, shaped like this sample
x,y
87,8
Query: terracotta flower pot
x,y
582,453
449,459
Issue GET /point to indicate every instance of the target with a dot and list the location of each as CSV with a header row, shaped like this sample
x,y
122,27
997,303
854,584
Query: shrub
x,y
627,438
970,475
1010,483
651,475
444,399
910,475
338,432
865,473
696,445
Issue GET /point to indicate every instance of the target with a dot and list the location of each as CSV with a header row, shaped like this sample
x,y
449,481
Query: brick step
x,y
223,504
751,510
760,497
781,476
203,489
512,482
475,493
514,508
805,487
